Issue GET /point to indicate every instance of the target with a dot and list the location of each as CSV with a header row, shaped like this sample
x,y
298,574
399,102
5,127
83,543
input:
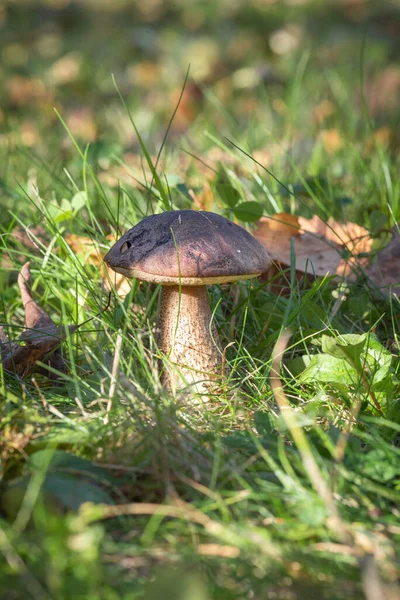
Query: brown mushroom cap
x,y
188,247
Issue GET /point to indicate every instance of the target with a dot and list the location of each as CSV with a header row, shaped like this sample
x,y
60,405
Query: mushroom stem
x,y
188,337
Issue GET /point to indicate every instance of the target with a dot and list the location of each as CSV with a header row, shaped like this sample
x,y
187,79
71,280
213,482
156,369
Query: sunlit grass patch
x,y
283,483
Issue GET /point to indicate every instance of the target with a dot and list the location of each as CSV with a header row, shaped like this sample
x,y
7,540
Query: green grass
x,y
113,489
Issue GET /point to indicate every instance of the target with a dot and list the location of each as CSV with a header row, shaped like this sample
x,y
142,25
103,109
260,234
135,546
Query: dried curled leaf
x,y
39,342
314,255
385,272
351,237
318,246
355,237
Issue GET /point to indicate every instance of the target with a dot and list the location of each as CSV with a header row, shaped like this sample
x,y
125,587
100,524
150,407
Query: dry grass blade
x,y
179,511
371,581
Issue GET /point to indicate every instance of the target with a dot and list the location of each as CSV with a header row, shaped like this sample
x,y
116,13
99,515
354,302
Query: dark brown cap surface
x,y
194,248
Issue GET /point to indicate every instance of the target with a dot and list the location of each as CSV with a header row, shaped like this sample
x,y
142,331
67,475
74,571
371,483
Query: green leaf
x,y
297,365
359,303
182,188
59,492
378,221
79,201
312,314
61,461
249,212
329,369
60,213
71,492
68,436
264,422
240,440
228,194
311,511
346,358
69,482
380,465
348,346
378,358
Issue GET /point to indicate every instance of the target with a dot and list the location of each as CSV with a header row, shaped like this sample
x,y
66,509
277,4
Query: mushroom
x,y
184,251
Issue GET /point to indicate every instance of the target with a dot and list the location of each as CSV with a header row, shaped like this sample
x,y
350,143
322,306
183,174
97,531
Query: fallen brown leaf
x,y
65,70
382,136
385,272
81,123
86,247
28,238
189,107
332,140
202,200
314,255
349,236
25,90
382,91
144,74
355,237
325,109
317,245
39,342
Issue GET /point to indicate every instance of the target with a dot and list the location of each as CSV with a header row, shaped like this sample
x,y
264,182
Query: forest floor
x,y
284,117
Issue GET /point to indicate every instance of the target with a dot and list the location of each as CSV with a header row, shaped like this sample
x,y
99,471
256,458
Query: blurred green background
x,y
279,77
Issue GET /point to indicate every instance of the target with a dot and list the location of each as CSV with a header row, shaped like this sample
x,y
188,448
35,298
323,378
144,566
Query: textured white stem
x,y
189,338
